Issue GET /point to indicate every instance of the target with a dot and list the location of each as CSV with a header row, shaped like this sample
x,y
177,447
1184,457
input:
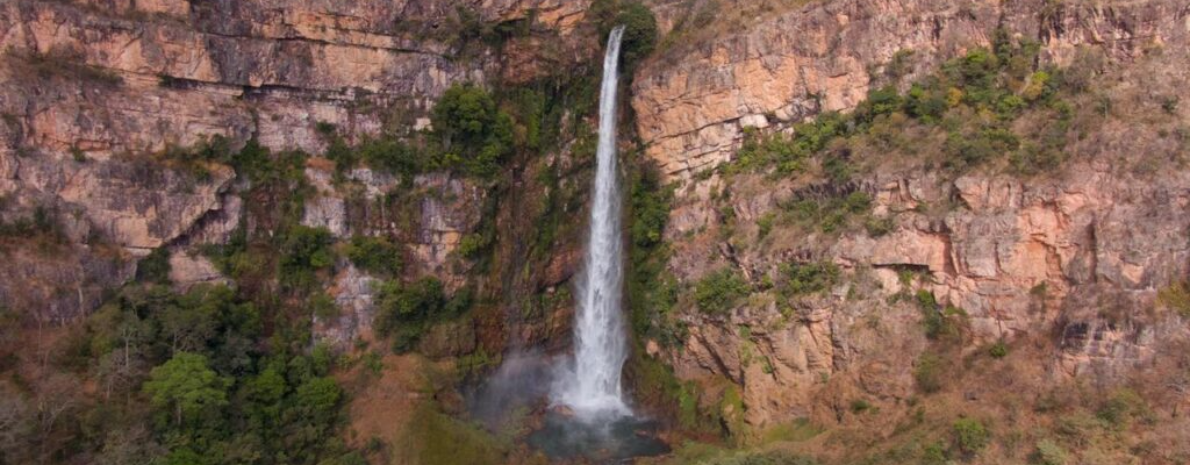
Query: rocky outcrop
x,y
693,104
1084,254
354,294
429,218
1080,256
91,90
108,213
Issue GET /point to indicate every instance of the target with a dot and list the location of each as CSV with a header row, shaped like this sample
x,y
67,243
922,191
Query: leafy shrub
x,y
1170,104
788,153
931,318
154,268
900,65
831,214
883,101
934,453
471,245
408,310
42,227
474,134
879,226
323,306
304,251
391,155
860,406
971,148
970,435
928,372
1050,453
375,254
1122,407
650,210
720,291
998,350
809,278
1176,296
764,224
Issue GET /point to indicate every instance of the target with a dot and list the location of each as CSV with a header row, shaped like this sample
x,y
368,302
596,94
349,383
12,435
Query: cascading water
x,y
592,386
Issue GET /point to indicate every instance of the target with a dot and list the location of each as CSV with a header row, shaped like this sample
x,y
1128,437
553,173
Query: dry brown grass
x,y
699,21
1022,400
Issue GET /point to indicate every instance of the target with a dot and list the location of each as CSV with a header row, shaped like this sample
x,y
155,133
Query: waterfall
x,y
592,385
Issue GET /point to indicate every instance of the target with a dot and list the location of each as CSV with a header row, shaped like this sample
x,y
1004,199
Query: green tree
x,y
475,135
375,254
305,250
318,399
187,386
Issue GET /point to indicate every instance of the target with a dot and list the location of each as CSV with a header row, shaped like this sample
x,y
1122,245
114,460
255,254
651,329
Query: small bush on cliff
x,y
375,254
154,268
1176,297
305,250
640,27
929,372
1124,406
970,436
42,228
473,133
720,291
391,155
808,278
407,310
1049,452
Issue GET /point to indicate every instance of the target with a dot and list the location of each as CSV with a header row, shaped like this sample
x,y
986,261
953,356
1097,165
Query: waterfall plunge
x,y
592,386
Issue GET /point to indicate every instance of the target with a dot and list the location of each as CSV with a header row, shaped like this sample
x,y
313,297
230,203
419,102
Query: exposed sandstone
x,y
113,81
692,107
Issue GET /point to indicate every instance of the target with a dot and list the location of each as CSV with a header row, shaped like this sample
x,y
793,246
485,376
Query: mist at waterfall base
x,y
587,415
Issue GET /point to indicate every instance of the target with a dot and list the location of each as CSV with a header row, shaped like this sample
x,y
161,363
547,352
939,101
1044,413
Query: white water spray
x,y
592,386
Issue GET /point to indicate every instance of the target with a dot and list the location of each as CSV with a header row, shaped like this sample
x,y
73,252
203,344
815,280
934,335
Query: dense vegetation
x,y
185,378
212,375
406,310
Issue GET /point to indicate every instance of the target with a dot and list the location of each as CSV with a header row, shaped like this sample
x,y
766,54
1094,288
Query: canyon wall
x,y
94,94
1076,259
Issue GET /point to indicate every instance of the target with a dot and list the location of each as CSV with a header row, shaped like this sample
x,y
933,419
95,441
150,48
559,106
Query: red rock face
x,y
117,81
693,103
114,82
1090,234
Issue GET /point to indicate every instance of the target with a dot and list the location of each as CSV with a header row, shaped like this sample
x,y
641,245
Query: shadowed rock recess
x,y
328,231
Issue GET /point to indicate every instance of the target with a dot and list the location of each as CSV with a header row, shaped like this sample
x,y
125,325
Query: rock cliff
x,y
1076,259
93,93
1079,270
